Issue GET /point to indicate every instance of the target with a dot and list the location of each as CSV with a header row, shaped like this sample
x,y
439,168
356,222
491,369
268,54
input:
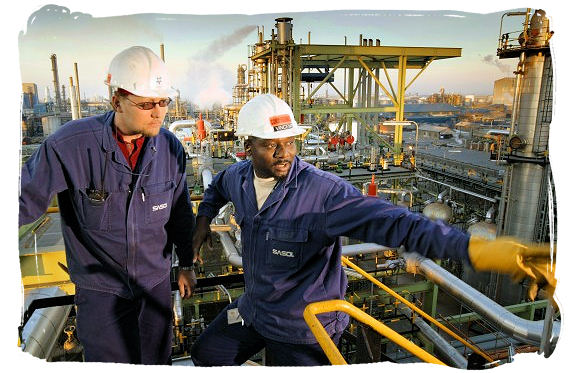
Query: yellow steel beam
x,y
388,77
330,349
326,78
394,101
414,53
420,72
336,90
400,110
350,264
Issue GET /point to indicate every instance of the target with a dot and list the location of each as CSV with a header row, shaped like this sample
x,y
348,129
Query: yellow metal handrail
x,y
330,349
348,263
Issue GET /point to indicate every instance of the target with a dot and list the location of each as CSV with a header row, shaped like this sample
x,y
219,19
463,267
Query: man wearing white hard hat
x,y
121,188
291,216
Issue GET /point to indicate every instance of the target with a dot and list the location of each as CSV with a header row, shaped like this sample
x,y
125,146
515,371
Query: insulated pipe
x,y
322,158
363,248
493,200
178,309
511,324
207,177
41,332
230,251
490,214
190,123
444,347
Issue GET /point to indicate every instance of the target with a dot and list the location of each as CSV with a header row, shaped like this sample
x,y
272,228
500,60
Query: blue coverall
x,y
291,250
119,247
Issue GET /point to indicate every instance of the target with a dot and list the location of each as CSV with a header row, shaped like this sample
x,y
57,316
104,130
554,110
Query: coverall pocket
x,y
158,201
285,247
95,213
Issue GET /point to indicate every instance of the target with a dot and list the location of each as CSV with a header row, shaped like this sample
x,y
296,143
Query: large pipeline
x,y
41,332
525,330
444,347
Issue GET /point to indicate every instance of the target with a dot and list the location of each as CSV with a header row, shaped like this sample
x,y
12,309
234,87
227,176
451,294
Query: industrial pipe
x,y
207,177
41,332
330,349
178,309
230,250
444,347
403,300
515,326
493,200
322,158
186,123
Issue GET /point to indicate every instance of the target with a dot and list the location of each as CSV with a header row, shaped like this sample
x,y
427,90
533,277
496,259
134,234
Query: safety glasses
x,y
149,105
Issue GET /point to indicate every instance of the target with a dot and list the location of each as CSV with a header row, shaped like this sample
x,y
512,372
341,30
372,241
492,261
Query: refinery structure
x,y
482,168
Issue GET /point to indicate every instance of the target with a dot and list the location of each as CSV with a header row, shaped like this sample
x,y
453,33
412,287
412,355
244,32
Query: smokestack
x,y
73,99
63,99
162,52
77,94
55,81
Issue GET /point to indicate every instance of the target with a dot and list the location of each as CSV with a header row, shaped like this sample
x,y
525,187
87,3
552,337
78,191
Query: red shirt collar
x,y
130,150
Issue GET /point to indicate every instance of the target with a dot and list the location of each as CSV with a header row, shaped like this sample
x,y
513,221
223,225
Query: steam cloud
x,y
493,60
221,45
209,81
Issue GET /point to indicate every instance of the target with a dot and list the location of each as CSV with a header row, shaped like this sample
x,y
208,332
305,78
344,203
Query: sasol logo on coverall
x,y
289,254
159,207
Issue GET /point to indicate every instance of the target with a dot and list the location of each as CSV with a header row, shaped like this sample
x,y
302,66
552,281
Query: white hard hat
x,y
267,117
139,71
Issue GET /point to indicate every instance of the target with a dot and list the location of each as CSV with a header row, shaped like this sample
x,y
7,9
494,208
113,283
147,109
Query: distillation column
x,y
524,208
528,167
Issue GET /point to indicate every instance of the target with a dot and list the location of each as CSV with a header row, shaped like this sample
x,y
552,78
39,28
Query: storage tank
x,y
438,211
50,124
284,29
483,229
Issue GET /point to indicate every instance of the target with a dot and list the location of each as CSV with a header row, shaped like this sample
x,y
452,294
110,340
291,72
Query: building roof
x,y
431,128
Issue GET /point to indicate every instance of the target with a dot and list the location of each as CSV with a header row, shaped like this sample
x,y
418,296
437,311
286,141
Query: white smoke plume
x,y
209,81
221,45
494,61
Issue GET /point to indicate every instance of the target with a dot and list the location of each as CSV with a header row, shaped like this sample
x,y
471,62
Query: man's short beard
x,y
150,133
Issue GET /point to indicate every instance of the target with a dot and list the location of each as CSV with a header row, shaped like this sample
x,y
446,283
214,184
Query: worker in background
x,y
292,215
121,187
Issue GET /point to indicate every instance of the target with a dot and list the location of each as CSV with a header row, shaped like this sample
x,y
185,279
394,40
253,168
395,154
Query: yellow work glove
x,y
508,255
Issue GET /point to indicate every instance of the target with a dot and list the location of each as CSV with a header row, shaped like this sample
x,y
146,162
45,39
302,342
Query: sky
x,y
103,29
203,51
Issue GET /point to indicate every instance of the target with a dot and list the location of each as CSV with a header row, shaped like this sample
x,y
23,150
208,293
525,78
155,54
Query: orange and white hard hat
x,y
267,117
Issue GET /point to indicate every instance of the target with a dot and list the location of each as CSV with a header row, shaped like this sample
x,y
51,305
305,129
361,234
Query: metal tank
x,y
485,229
438,211
284,29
